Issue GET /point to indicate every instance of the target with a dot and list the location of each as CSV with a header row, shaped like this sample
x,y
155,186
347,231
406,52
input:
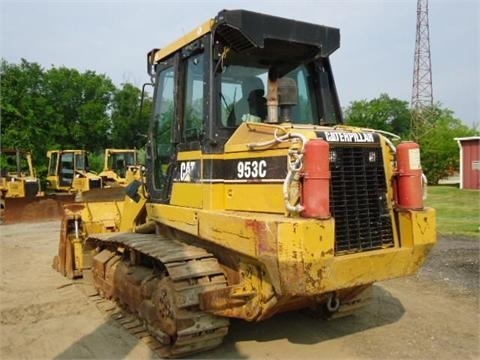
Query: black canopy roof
x,y
245,30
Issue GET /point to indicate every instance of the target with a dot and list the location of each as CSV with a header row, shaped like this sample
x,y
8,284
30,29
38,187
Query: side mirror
x,y
151,63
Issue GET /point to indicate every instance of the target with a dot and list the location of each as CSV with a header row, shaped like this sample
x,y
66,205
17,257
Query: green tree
x,y
25,109
382,113
129,126
82,103
57,108
439,150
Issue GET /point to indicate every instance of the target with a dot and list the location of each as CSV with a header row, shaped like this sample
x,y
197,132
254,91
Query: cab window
x,y
193,101
162,124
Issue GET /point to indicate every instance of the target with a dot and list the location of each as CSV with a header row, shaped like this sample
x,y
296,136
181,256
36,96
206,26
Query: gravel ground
x,y
454,262
433,315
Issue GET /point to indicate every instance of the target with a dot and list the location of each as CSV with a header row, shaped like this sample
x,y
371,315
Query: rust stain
x,y
260,231
328,252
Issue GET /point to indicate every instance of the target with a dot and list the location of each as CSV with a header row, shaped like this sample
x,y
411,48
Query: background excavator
x,y
256,200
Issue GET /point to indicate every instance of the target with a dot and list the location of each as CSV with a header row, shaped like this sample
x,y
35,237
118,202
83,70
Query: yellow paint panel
x,y
187,194
232,231
213,196
319,244
254,197
308,266
189,155
290,258
365,268
417,227
181,218
301,246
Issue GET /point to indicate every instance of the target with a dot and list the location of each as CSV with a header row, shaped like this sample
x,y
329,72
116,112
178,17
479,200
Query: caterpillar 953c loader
x,y
258,200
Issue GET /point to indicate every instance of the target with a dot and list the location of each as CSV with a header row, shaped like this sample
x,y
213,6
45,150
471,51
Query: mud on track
x,y
434,315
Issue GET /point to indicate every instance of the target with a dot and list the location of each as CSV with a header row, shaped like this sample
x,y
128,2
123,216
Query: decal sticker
x,y
262,169
187,171
251,169
414,159
349,137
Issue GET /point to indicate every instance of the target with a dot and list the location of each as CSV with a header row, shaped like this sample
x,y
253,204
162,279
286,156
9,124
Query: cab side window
x,y
52,165
163,125
193,103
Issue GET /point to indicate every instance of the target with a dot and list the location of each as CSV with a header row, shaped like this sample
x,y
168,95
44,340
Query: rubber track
x,y
192,270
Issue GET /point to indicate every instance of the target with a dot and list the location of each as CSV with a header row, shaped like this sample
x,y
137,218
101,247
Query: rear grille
x,y
358,199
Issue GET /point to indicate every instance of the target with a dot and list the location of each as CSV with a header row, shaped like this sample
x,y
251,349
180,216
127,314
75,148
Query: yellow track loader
x,y
121,167
21,197
257,199
68,171
18,178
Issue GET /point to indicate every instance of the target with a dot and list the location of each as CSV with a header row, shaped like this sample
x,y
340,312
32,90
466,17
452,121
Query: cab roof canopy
x,y
248,32
244,30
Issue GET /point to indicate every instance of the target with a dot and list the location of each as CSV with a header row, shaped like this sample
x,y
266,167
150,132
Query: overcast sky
x,y
375,56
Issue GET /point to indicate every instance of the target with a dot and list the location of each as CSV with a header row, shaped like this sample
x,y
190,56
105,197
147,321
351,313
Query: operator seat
x,y
252,88
257,104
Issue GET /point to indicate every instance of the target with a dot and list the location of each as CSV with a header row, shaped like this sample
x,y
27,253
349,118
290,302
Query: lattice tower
x,y
422,90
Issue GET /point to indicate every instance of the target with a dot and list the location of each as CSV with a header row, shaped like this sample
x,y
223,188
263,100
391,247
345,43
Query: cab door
x,y
52,175
67,169
161,149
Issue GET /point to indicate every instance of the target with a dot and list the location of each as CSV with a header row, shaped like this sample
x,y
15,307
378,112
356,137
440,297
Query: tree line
x,y
60,108
439,150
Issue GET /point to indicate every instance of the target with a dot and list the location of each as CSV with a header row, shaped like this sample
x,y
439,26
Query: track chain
x,y
189,272
127,321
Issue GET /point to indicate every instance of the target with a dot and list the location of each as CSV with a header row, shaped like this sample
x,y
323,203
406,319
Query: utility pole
x,y
422,90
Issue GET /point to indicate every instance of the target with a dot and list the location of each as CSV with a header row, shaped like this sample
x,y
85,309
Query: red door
x,y
471,164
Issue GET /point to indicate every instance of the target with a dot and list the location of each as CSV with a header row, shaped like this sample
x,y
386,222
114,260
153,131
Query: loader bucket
x,y
36,209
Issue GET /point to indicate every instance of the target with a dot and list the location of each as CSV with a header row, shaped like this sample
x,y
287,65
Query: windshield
x,y
80,162
121,160
244,95
244,90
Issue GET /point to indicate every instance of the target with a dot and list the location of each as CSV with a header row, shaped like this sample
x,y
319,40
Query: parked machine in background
x,y
68,171
21,196
18,178
257,200
121,167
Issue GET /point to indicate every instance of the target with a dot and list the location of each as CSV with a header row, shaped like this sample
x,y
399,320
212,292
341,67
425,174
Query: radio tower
x,y
422,91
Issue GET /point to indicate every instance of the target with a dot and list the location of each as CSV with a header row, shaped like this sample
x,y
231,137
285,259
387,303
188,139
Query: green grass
x,y
458,211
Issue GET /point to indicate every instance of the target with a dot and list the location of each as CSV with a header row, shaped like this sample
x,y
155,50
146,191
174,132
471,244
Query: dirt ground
x,y
434,315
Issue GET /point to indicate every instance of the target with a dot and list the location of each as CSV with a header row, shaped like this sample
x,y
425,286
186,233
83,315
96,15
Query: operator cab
x,y
239,67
